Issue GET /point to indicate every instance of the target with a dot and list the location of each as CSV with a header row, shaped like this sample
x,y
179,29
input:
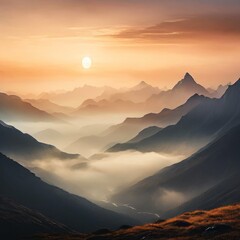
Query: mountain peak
x,y
188,78
187,82
141,85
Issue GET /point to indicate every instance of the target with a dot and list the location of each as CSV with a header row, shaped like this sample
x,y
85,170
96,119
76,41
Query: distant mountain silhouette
x,y
196,128
141,85
189,84
77,213
138,93
92,107
48,106
142,98
50,136
122,100
22,146
207,179
176,96
13,108
75,97
17,222
92,144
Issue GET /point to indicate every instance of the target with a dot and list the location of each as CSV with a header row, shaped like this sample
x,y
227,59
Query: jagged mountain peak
x,y
188,80
190,85
188,77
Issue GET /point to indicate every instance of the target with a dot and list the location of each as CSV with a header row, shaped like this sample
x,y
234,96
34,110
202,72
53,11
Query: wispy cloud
x,y
191,27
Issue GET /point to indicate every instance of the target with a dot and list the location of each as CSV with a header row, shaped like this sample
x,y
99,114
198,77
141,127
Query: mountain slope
x,y
147,132
196,128
25,221
181,182
166,117
216,224
13,108
22,146
23,187
224,193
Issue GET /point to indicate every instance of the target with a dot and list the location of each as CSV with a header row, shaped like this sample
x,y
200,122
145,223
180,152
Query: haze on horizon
x,y
42,43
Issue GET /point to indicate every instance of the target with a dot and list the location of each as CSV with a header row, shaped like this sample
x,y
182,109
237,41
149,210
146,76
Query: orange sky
x,y
42,42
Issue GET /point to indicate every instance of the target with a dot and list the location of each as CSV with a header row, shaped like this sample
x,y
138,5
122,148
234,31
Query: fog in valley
x,y
102,175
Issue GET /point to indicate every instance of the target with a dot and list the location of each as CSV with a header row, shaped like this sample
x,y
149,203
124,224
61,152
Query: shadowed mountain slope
x,y
17,221
166,117
224,193
22,146
217,163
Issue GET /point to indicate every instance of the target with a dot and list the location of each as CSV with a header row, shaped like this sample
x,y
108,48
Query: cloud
x,y
99,178
186,28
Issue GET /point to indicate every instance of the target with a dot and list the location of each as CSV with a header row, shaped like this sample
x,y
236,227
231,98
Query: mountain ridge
x,y
213,164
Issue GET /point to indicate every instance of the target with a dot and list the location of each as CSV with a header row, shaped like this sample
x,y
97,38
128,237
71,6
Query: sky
x,y
42,43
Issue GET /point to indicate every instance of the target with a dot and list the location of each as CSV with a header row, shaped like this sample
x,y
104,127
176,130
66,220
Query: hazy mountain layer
x,y
13,108
196,128
22,146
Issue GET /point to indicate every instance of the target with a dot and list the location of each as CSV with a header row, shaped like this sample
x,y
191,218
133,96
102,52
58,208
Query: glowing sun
x,y
86,62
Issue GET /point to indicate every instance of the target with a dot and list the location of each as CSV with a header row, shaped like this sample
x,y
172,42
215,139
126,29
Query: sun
x,y
86,62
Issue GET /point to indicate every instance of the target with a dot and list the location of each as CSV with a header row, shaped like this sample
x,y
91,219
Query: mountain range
x,y
23,147
75,97
138,93
195,129
131,127
50,107
105,106
207,179
143,98
176,96
13,108
162,119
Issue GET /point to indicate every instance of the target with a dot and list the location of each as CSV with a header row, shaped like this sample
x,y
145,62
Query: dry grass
x,y
217,224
